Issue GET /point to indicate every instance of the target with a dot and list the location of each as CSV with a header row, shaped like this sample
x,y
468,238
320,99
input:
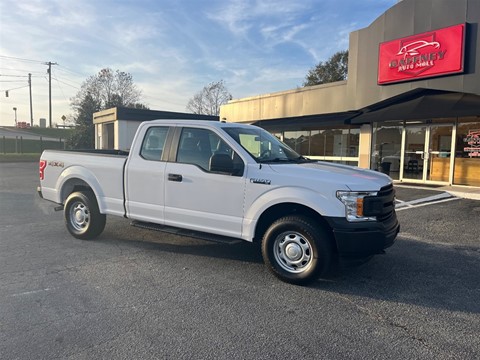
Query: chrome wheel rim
x,y
79,216
293,252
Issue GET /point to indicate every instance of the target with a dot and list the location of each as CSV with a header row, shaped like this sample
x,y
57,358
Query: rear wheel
x,y
297,250
82,216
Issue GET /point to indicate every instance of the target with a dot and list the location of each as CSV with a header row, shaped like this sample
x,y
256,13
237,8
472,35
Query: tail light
x,y
42,166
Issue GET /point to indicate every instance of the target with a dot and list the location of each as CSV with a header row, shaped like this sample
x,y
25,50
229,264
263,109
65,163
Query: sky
x,y
172,48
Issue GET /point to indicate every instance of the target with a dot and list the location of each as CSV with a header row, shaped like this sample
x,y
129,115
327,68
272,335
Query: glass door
x,y
427,153
413,152
438,153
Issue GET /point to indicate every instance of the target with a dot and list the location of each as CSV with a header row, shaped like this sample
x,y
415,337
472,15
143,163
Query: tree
x,y
99,92
334,69
209,99
83,135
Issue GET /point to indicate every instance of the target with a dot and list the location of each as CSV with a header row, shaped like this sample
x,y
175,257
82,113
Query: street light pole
x,y
15,110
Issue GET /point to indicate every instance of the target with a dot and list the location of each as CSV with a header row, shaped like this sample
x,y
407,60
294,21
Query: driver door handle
x,y
175,177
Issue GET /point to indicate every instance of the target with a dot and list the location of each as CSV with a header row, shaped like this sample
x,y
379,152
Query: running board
x,y
185,232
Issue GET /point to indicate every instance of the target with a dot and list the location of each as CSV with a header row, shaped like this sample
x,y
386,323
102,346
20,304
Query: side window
x,y
153,143
207,150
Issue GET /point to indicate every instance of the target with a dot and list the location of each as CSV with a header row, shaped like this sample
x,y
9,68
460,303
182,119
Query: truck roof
x,y
206,123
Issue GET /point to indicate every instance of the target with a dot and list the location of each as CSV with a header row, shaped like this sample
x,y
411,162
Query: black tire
x,y
297,250
82,217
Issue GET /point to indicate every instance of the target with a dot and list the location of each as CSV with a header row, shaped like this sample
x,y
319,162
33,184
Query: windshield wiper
x,y
297,160
276,160
303,159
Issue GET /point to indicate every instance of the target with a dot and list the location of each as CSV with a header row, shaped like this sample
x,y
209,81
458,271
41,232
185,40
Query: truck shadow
x,y
412,272
165,242
418,273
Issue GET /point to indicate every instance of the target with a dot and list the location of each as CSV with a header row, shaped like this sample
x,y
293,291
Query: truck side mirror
x,y
221,163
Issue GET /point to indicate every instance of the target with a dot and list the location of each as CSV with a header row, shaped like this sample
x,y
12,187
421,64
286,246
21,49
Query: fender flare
x,y
78,175
316,201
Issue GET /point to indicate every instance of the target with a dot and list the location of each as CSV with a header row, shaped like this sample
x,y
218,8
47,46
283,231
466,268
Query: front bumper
x,y
363,239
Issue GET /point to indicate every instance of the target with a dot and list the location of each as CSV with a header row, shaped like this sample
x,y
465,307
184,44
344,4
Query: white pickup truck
x,y
218,180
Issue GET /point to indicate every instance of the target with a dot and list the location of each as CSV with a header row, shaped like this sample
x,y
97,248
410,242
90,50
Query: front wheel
x,y
82,216
297,250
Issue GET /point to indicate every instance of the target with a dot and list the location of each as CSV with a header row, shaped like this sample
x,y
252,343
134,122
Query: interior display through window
x,y
387,148
467,152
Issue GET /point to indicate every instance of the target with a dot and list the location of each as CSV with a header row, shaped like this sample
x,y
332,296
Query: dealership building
x,y
410,106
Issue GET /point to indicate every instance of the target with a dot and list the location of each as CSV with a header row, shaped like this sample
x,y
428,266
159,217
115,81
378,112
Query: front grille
x,y
382,205
387,195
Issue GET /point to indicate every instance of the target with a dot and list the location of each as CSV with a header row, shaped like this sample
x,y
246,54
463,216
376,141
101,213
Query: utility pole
x,y
49,71
15,110
31,106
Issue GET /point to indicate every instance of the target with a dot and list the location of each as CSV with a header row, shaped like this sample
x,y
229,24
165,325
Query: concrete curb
x,y
464,192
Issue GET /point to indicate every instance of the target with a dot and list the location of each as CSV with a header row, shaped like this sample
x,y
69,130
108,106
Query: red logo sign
x,y
424,55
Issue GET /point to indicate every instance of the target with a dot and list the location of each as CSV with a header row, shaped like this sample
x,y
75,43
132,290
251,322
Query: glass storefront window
x,y
467,152
386,148
339,145
353,141
335,142
320,143
298,141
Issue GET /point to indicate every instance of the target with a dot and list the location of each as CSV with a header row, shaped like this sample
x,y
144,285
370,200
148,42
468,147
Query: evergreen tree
x,y
334,69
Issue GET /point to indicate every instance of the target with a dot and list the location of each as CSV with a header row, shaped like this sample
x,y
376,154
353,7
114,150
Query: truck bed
x,y
101,169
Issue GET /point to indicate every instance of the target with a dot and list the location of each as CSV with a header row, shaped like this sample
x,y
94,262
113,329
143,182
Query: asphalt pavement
x,y
138,294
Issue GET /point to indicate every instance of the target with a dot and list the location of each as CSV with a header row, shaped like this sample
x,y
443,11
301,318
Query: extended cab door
x,y
204,183
145,175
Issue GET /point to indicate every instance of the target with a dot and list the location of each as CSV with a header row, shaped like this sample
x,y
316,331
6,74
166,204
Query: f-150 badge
x,y
261,181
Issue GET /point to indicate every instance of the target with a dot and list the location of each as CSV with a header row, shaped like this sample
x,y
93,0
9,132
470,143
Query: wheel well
x,y
72,186
278,211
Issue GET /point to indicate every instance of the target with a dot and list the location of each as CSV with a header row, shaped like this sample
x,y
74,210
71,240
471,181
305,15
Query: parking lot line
x,y
429,200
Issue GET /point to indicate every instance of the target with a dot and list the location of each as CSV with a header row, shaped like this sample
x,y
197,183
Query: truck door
x,y
205,184
145,175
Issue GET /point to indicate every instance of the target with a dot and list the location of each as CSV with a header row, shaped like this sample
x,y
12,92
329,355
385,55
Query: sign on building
x,y
430,54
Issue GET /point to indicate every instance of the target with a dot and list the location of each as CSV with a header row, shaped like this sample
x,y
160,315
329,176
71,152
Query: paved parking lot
x,y
139,294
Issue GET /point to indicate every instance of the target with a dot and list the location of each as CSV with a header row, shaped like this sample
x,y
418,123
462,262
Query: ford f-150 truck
x,y
218,180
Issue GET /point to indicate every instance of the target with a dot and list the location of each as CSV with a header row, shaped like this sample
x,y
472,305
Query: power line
x,y
5,81
21,87
65,69
14,75
21,70
60,88
63,82
20,59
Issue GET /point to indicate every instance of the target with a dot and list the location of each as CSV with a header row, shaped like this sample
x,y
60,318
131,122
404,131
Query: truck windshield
x,y
263,146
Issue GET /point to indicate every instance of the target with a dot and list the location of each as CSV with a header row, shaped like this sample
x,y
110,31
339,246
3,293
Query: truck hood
x,y
354,178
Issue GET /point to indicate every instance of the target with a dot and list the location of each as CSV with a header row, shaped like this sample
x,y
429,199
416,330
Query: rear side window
x,y
154,143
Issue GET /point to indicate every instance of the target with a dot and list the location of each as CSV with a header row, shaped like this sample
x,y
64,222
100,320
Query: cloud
x,y
172,48
240,16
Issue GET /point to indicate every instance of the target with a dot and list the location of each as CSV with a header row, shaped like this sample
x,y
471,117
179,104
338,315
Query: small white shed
x,y
116,127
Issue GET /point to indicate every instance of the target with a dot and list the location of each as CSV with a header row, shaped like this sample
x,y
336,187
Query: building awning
x,y
417,104
309,122
139,115
420,104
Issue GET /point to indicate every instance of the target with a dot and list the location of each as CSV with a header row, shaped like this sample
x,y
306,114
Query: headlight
x,y
353,202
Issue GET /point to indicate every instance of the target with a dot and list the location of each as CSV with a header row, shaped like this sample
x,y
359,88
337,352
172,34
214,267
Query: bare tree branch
x,y
101,91
209,99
